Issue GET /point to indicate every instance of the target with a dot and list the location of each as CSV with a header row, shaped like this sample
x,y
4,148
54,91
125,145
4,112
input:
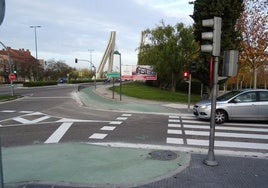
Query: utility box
x,y
230,60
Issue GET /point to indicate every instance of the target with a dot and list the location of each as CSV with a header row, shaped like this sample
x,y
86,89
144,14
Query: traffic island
x,y
88,165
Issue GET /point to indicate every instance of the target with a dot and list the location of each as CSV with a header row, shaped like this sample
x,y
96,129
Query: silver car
x,y
236,105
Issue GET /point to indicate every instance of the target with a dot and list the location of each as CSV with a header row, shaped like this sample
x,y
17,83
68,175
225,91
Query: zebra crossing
x,y
238,136
181,130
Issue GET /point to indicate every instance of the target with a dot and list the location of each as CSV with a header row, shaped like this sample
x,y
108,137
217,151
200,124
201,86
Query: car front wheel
x,y
220,116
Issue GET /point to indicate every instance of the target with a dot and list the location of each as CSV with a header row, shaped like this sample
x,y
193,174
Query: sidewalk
x,y
60,166
103,98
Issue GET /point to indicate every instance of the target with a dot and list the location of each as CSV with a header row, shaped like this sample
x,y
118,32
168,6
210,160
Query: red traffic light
x,y
185,74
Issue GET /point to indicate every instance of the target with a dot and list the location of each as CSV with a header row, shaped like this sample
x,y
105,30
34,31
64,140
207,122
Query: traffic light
x,y
185,75
76,60
14,68
192,67
215,36
6,68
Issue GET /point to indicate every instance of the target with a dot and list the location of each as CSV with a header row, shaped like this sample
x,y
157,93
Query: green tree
x,y
229,11
56,69
170,50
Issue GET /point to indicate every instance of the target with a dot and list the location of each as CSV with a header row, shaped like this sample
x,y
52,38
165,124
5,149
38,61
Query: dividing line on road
x,y
118,121
58,134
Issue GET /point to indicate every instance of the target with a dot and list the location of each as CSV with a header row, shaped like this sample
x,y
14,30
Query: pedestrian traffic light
x,y
215,36
76,60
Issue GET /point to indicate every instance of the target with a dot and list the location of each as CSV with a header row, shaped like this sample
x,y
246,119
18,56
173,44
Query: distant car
x,y
62,80
236,105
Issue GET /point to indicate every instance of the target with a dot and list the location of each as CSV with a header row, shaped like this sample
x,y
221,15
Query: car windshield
x,y
227,96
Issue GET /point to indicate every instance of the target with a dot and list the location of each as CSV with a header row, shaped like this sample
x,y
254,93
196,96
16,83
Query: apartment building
x,y
22,63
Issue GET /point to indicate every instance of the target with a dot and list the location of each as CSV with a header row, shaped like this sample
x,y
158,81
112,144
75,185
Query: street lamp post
x,y
91,50
36,58
120,73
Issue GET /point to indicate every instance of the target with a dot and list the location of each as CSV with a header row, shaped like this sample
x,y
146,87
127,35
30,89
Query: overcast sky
x,y
70,28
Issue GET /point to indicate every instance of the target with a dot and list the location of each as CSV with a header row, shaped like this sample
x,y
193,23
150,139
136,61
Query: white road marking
x,y
229,144
25,121
26,112
229,128
174,117
174,125
108,128
195,121
172,131
8,111
59,133
127,115
50,97
98,136
190,118
174,120
174,140
81,120
115,122
182,148
121,118
221,134
37,113
196,126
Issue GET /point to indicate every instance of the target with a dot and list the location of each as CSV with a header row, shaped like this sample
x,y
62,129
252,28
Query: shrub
x,y
39,83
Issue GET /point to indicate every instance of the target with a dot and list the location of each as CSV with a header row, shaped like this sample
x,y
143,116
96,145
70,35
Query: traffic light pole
x,y
189,91
215,49
92,65
210,161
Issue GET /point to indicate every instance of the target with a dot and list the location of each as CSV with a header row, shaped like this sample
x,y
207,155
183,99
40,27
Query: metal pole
x,y
189,91
1,167
12,92
210,161
91,50
36,57
120,70
95,77
92,66
113,87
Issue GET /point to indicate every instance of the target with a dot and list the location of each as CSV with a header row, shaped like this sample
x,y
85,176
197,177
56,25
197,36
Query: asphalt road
x,y
52,115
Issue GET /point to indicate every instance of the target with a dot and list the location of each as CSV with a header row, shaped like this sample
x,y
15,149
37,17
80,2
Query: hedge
x,y
39,83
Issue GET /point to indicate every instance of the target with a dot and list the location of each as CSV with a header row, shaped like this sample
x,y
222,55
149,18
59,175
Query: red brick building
x,y
22,62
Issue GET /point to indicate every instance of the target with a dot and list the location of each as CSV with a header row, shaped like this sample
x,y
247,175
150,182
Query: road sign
x,y
12,76
112,74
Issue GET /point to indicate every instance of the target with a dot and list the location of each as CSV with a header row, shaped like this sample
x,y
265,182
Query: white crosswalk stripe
x,y
252,136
